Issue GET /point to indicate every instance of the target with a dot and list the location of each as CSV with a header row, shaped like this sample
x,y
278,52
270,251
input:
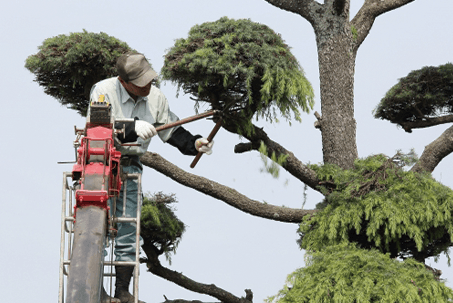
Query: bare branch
x,y
292,165
435,152
305,8
318,116
243,147
408,126
156,268
370,10
223,193
317,124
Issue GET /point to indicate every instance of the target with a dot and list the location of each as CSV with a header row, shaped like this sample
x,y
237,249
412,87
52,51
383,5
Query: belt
x,y
131,161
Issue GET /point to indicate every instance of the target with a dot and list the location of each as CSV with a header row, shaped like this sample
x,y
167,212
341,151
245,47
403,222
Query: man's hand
x,y
144,129
204,146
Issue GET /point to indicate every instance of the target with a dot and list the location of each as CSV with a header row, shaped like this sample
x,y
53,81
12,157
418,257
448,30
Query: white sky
x,y
222,245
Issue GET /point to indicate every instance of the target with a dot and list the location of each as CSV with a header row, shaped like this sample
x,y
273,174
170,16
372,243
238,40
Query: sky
x,y
222,245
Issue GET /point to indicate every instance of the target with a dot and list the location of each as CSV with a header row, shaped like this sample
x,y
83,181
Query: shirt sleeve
x,y
184,141
164,116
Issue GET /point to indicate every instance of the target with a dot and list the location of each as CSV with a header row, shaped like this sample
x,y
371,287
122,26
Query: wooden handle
x,y
210,137
186,120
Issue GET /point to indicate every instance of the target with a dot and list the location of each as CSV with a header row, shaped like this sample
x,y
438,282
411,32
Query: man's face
x,y
139,91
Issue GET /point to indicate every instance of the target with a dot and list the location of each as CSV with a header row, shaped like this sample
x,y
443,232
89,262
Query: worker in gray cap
x,y
133,95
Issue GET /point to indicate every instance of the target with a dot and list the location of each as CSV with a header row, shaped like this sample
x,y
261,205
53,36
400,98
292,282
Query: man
x,y
132,95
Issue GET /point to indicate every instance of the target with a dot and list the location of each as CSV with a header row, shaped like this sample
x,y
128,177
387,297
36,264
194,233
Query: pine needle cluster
x,y
346,274
240,65
67,66
271,163
379,205
422,94
159,225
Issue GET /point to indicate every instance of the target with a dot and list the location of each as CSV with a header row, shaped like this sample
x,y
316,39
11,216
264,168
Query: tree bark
x,y
435,152
336,56
224,193
338,40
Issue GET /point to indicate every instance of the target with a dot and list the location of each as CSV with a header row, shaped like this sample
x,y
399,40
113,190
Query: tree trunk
x,y
336,57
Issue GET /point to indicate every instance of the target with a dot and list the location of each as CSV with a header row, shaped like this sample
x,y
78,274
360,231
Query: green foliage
x,y
354,32
159,224
242,65
344,273
423,93
273,166
68,66
379,205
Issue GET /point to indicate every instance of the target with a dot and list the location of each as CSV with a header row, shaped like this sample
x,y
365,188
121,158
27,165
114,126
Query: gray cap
x,y
134,68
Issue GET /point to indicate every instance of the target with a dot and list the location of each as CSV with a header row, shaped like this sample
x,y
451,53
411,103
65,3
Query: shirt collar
x,y
125,95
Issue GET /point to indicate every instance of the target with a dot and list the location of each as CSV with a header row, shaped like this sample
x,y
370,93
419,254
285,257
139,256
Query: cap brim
x,y
144,79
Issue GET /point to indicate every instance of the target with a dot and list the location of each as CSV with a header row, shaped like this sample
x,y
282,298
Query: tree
x,y
380,206
344,273
67,66
423,98
348,183
338,40
239,66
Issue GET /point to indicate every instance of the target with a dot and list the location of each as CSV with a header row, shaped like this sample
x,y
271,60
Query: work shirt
x,y
153,108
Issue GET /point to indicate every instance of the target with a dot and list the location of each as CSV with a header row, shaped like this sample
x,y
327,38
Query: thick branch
x,y
293,165
370,10
435,152
156,268
222,192
305,8
408,126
